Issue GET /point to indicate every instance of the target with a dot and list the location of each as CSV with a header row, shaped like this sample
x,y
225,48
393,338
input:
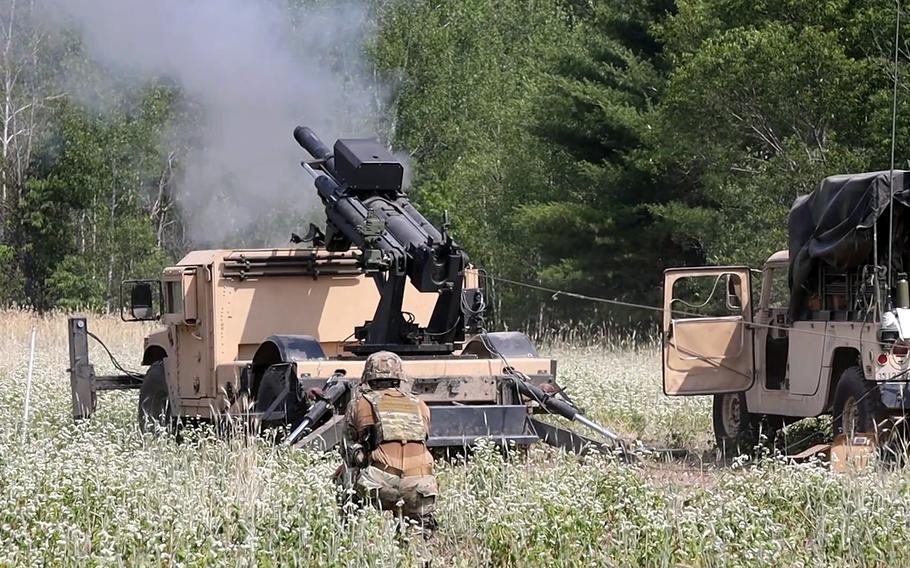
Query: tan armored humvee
x,y
238,323
823,332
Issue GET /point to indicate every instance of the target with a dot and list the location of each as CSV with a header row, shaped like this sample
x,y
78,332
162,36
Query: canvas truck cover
x,y
833,225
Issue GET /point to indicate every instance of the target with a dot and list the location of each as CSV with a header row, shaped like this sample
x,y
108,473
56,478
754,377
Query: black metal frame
x,y
464,426
84,383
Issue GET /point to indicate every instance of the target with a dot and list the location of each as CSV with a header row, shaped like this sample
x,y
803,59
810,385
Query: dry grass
x,y
101,494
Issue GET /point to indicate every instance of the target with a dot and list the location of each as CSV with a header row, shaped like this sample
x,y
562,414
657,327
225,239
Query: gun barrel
x,y
308,140
311,143
327,188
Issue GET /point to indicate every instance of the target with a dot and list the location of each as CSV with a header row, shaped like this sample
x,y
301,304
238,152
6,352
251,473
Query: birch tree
x,y
26,80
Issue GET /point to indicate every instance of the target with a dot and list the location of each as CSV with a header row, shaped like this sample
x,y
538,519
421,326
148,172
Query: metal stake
x,y
28,387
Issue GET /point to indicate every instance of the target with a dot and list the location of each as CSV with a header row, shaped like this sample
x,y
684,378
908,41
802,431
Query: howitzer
x,y
360,184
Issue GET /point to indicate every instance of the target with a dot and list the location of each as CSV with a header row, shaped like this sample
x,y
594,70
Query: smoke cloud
x,y
254,69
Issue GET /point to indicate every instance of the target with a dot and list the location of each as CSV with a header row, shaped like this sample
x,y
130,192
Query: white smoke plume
x,y
255,69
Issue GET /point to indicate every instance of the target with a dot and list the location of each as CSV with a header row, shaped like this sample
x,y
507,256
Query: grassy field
x,y
101,494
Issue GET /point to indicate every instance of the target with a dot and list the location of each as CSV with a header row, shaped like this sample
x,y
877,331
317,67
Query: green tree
x,y
465,79
593,227
91,219
764,100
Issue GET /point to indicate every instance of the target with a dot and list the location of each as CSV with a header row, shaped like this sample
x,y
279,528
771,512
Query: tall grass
x,y
100,494
599,332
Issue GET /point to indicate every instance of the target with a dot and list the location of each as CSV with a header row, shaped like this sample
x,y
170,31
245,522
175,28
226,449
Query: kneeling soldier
x,y
385,453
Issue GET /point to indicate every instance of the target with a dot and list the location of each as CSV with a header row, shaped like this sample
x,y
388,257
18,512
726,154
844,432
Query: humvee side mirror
x,y
142,305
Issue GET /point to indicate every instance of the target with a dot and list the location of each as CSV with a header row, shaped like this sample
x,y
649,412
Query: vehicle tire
x,y
735,428
856,402
155,414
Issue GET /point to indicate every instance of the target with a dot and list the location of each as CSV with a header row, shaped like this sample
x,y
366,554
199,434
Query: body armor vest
x,y
397,418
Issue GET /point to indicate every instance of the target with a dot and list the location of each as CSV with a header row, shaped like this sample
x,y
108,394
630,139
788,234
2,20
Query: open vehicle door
x,y
707,336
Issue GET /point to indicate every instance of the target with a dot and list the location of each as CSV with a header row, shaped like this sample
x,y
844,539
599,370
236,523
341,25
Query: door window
x,y
173,297
780,288
717,295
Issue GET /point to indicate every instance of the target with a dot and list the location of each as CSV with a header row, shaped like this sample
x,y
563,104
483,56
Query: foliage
x,y
764,101
465,76
592,225
100,493
86,222
580,145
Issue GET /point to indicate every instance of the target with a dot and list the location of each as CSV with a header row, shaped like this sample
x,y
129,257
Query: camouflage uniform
x,y
385,453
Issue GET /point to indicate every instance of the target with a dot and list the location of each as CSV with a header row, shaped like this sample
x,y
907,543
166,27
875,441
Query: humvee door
x,y
707,339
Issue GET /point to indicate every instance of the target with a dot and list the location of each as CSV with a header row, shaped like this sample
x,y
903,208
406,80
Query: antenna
x,y
897,30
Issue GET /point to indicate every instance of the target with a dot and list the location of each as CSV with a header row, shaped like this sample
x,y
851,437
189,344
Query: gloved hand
x,y
357,456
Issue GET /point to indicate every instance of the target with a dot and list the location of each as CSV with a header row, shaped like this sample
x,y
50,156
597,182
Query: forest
x,y
579,145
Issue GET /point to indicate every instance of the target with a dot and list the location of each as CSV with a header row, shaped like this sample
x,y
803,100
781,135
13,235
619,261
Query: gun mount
x,y
360,185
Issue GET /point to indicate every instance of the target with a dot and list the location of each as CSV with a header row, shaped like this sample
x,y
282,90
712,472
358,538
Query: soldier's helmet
x,y
382,366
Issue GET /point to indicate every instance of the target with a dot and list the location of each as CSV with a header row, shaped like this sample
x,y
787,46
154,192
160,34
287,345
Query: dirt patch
x,y
682,475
